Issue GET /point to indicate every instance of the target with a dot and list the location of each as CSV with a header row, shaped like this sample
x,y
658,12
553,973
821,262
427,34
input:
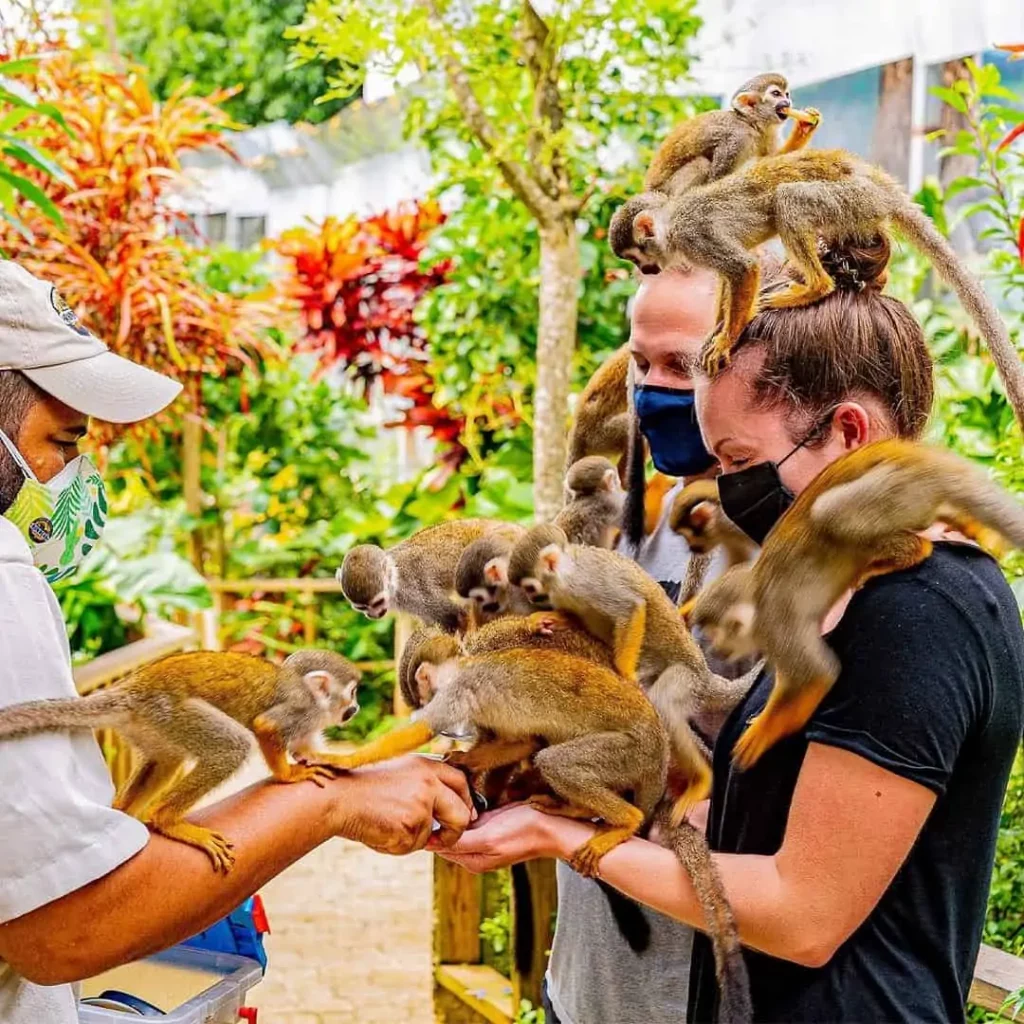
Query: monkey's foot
x,y
558,807
716,354
586,860
696,790
311,771
212,843
776,722
796,295
686,610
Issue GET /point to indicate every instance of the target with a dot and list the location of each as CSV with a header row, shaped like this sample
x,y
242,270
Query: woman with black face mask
x,y
856,853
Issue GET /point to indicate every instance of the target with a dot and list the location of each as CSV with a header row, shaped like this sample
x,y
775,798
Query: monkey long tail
x,y
917,226
975,494
730,968
100,709
636,477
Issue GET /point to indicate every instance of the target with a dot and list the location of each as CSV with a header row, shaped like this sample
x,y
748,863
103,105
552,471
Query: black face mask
x,y
755,498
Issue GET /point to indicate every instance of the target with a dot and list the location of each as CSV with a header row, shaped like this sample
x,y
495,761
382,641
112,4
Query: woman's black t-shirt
x,y
931,688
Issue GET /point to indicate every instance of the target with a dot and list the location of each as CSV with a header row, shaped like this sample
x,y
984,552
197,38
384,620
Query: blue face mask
x,y
669,423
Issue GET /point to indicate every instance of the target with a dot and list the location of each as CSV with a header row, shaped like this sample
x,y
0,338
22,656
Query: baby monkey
x,y
594,503
481,577
697,516
204,707
860,517
709,147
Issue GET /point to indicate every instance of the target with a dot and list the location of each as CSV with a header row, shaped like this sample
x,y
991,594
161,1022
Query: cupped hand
x,y
510,835
390,807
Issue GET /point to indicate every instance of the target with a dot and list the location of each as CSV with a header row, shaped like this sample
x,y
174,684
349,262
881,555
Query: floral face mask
x,y
63,519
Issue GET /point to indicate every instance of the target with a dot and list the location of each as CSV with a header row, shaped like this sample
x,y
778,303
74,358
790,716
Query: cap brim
x,y
107,387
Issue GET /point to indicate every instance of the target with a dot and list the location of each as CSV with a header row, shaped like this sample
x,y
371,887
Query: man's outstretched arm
x,y
168,891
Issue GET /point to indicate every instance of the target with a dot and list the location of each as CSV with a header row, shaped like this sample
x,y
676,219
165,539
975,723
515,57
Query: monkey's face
x,y
488,600
336,697
725,612
696,527
771,105
535,592
366,578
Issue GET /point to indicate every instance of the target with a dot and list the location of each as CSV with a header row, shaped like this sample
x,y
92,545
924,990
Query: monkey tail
x,y
974,494
918,227
730,968
629,918
93,712
522,908
636,477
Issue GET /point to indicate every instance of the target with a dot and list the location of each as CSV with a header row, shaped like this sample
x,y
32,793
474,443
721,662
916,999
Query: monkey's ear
x,y
643,225
610,480
745,99
426,679
320,684
702,514
496,572
550,558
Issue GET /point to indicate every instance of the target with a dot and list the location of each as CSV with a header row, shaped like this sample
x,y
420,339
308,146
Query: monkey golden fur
x,y
416,576
697,516
860,517
621,605
708,147
600,425
204,707
803,197
594,505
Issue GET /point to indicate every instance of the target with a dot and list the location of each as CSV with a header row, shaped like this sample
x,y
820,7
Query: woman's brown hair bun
x,y
855,266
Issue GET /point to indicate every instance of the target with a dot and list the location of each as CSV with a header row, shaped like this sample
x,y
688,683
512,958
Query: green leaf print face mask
x,y
62,519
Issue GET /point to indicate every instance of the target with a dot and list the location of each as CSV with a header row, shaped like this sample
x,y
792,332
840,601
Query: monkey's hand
x,y
716,354
315,769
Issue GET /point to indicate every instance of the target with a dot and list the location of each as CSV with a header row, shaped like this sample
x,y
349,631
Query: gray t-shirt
x,y
593,976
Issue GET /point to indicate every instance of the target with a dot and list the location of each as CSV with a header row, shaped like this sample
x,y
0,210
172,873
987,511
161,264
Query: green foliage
x,y
19,150
528,1013
230,271
1004,926
496,929
220,44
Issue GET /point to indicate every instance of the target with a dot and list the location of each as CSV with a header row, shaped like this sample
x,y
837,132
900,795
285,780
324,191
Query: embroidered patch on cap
x,y
65,312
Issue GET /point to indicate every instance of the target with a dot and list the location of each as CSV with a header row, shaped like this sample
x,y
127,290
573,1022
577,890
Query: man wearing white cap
x,y
84,887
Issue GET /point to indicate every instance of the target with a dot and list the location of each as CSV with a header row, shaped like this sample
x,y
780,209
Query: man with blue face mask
x,y
594,977
83,887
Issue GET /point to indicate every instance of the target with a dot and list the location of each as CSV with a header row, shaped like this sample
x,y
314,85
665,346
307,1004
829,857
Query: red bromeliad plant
x,y
357,284
115,259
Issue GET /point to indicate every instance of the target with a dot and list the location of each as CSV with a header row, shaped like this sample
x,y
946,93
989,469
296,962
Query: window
x,y
216,227
251,230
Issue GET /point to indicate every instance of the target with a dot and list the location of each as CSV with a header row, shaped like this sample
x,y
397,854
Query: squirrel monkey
x,y
620,604
600,424
481,576
697,516
708,147
860,517
204,707
416,576
594,502
805,197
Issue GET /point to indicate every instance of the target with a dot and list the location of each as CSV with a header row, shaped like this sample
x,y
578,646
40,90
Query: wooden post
x,y
308,600
543,898
192,483
458,897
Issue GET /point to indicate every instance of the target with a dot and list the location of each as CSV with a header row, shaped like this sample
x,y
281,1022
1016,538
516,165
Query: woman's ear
x,y
852,425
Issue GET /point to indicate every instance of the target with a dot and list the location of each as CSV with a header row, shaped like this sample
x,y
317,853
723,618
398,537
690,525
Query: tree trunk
x,y
556,342
890,144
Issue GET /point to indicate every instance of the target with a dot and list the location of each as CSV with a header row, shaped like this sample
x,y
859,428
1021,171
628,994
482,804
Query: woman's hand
x,y
510,835
391,807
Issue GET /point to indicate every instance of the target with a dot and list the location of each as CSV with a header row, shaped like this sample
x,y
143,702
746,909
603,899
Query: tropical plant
x,y
20,149
526,106
216,44
113,257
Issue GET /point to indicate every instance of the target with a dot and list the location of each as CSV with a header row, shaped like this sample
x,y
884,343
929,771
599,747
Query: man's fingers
x,y
451,813
455,779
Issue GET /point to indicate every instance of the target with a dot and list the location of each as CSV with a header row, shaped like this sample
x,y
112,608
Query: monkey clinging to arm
x,y
204,707
708,147
416,576
861,517
595,500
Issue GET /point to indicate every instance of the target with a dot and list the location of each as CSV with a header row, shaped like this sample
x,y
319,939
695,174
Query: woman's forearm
x,y
168,890
766,915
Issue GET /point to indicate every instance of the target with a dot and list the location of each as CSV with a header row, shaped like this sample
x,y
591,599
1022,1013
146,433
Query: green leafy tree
x,y
218,44
525,104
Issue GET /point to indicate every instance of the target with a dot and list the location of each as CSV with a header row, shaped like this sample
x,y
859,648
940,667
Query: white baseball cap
x,y
41,336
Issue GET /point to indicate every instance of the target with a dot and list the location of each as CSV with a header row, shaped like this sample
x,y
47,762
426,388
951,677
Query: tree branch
x,y
548,116
519,179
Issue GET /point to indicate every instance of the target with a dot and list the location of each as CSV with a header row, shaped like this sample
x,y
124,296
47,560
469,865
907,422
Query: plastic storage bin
x,y
219,1001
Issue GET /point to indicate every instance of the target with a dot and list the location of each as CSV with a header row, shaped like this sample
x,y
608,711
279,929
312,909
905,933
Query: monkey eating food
x,y
805,198
706,148
204,707
860,517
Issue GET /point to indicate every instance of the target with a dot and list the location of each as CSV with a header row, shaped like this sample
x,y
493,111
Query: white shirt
x,y
57,829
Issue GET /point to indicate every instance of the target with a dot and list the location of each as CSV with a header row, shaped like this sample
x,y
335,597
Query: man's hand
x,y
391,807
513,834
